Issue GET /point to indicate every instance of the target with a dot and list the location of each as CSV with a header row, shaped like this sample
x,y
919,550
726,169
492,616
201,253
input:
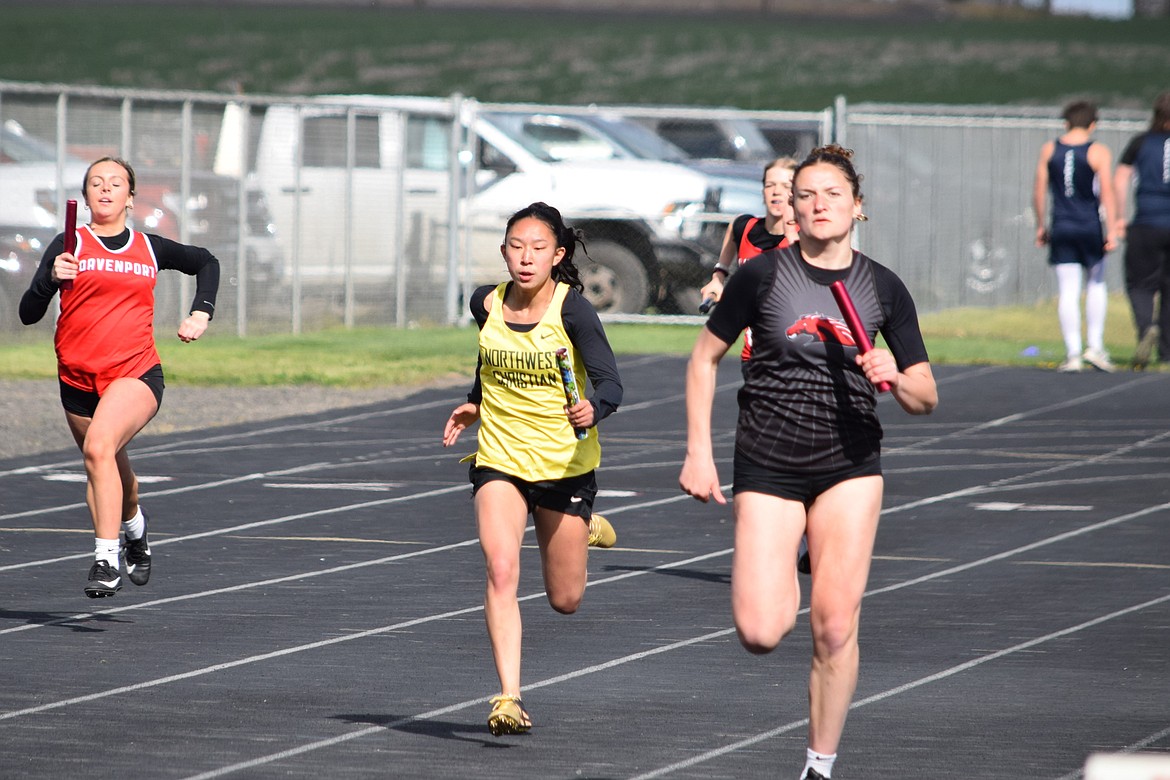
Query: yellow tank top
x,y
523,429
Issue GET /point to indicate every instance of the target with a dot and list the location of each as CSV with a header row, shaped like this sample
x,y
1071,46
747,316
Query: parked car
x,y
732,187
713,139
29,215
627,207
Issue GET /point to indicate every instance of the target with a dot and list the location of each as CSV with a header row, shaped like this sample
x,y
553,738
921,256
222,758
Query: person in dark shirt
x,y
807,445
1146,159
1077,172
111,378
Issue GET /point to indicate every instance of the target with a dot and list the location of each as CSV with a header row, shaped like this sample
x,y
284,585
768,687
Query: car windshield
x,y
641,141
554,139
19,147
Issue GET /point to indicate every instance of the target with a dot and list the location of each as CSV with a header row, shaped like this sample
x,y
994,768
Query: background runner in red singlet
x,y
110,375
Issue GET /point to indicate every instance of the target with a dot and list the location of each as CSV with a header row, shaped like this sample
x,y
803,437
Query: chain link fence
x,y
358,211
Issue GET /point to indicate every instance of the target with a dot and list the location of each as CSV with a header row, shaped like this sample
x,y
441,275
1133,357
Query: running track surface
x,y
315,609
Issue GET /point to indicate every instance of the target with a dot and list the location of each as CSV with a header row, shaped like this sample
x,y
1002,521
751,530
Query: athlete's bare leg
x,y
564,553
502,514
842,525
125,408
765,593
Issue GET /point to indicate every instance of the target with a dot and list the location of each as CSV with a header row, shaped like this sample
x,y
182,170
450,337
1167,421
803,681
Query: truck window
x,y
427,142
325,142
698,138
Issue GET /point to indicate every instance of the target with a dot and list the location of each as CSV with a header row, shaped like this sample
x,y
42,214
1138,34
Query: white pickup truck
x,y
380,202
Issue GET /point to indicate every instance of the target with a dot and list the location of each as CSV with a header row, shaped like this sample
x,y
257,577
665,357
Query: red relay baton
x,y
845,303
70,236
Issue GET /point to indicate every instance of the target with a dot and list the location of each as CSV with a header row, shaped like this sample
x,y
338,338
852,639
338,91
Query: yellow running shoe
x,y
601,533
508,716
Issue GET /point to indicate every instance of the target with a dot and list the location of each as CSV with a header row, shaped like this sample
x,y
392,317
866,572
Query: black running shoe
x,y
815,775
104,580
138,557
803,564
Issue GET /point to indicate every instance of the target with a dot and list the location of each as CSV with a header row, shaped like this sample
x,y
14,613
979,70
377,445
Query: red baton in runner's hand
x,y
70,236
845,303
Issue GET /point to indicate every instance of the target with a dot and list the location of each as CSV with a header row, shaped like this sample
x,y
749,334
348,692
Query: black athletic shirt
x,y
1149,155
192,260
588,337
805,406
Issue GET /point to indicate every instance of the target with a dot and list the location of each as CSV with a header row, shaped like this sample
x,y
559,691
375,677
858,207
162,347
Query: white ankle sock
x,y
135,527
822,763
107,550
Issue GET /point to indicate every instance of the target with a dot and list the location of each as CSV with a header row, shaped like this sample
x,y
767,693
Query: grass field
x,y
373,357
754,62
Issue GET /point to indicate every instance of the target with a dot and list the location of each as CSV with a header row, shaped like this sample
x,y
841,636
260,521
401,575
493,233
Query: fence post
x,y
454,194
840,112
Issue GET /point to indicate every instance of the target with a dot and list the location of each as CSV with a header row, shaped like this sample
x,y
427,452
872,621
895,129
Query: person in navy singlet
x,y
807,443
110,376
1076,171
1147,238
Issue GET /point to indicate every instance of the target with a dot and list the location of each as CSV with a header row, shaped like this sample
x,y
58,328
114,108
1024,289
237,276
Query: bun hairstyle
x,y
116,160
567,237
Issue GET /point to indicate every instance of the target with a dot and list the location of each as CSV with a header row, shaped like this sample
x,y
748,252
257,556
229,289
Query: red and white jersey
x,y
106,328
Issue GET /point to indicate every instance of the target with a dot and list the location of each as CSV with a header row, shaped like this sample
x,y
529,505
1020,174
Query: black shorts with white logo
x,y
571,495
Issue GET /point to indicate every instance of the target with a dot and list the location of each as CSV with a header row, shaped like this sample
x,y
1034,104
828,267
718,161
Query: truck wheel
x,y
615,279
687,299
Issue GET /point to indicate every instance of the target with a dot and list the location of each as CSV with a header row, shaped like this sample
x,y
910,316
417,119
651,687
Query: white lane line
x,y
896,691
1141,744
174,448
324,642
467,610
611,512
259,524
712,754
178,448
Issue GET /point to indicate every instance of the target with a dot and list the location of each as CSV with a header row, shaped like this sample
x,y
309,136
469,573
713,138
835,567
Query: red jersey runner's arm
x,y
36,299
193,261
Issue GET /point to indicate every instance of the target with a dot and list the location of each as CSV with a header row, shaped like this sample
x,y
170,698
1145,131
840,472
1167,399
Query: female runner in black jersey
x,y
807,452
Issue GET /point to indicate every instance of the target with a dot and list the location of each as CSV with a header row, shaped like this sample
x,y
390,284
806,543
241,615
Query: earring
x,y
861,217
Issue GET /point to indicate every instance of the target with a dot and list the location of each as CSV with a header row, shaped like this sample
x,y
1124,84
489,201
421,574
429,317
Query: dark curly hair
x,y
567,237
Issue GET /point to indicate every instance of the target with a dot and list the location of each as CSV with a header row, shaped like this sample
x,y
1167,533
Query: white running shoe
x,y
1099,359
1070,366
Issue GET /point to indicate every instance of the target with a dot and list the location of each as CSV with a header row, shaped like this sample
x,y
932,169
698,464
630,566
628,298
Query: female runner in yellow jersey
x,y
529,459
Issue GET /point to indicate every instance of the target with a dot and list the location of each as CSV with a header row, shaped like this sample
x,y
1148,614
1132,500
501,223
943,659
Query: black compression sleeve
x,y
480,314
588,337
36,299
193,261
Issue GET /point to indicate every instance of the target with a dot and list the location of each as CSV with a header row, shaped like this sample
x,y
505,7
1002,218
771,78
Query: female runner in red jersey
x,y
110,375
